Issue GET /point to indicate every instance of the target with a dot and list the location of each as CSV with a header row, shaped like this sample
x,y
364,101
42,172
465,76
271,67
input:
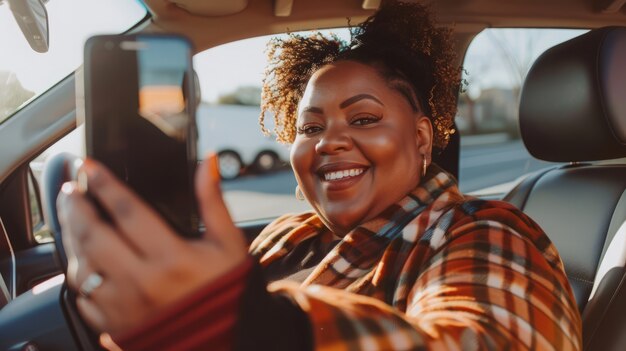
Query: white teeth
x,y
343,174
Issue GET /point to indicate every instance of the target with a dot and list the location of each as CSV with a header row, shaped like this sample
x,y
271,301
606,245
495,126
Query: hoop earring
x,y
424,166
299,194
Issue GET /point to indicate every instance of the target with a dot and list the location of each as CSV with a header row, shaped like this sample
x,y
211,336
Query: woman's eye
x,y
365,120
308,130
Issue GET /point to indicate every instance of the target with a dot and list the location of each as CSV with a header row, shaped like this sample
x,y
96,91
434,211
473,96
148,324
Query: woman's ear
x,y
424,130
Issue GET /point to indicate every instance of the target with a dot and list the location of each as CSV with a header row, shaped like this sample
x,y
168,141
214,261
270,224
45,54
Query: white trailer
x,y
233,132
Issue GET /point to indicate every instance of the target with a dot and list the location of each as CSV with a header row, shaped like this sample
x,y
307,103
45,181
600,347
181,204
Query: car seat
x,y
573,110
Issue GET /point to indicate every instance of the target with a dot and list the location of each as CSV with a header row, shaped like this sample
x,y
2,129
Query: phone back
x,y
140,119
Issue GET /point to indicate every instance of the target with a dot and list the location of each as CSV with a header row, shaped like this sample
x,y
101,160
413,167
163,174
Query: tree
x,y
517,48
471,93
513,51
12,94
245,95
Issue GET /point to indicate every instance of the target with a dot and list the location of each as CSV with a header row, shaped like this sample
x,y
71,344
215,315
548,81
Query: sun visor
x,y
211,8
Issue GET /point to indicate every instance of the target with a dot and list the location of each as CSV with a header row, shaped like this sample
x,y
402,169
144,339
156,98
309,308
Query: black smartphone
x,y
140,121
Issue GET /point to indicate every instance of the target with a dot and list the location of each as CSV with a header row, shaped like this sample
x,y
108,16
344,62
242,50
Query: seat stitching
x,y
583,280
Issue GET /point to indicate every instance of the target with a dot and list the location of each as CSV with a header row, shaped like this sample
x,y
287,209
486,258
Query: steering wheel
x,y
59,169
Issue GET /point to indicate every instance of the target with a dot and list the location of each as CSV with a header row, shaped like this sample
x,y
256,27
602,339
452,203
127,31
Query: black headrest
x,y
573,104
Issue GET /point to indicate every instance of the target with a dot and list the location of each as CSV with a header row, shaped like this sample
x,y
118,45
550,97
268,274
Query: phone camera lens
x,y
108,45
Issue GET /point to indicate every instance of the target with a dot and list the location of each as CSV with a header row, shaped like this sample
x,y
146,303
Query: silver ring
x,y
93,281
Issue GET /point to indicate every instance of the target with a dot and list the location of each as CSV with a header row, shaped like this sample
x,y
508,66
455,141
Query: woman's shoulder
x,y
476,216
493,211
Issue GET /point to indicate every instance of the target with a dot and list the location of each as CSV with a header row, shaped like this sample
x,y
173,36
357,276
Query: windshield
x,y
25,74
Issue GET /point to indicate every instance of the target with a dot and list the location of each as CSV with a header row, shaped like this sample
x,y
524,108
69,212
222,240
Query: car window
x,y
24,73
73,143
257,179
493,156
40,230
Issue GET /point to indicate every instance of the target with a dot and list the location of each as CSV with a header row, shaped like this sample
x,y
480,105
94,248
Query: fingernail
x,y
215,166
82,180
90,172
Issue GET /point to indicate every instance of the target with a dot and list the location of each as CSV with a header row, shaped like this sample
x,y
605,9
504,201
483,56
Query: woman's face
x,y
359,146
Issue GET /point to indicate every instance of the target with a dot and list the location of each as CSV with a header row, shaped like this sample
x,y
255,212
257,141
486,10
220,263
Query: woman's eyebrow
x,y
359,97
345,103
312,109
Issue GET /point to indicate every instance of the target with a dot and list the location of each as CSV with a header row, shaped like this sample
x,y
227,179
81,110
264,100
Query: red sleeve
x,y
205,318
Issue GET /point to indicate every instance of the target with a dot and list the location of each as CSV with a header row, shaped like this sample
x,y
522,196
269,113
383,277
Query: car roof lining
x,y
465,16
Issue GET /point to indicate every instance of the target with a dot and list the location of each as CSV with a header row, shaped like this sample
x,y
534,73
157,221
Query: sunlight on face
x,y
358,148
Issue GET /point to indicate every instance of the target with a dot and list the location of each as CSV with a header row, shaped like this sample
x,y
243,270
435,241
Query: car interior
x,y
572,111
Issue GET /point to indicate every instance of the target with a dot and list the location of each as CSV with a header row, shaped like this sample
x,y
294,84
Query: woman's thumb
x,y
213,210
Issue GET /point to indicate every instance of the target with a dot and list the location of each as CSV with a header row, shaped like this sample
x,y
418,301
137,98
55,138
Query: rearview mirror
x,y
32,17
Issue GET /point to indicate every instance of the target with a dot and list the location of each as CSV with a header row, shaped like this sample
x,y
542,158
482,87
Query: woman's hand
x,y
144,264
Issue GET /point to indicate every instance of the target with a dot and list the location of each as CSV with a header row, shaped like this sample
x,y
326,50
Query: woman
x,y
392,258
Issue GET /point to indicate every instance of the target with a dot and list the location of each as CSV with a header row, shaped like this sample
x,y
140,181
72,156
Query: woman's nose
x,y
334,140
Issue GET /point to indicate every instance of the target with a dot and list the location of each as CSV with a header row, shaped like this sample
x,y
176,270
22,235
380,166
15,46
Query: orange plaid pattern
x,y
436,271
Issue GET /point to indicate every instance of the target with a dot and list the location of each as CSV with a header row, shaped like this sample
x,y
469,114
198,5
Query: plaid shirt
x,y
436,271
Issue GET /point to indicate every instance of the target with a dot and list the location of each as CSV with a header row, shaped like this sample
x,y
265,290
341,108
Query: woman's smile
x,y
340,175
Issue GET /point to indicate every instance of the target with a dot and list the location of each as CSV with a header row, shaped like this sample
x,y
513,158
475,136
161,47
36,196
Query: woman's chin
x,y
342,218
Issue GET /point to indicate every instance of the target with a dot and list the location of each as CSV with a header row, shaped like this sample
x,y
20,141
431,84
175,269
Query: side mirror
x,y
32,18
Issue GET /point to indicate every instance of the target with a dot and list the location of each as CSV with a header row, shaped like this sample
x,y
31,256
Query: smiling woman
x,y
350,121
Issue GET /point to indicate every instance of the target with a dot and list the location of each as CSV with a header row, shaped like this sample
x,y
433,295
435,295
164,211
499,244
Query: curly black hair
x,y
400,40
